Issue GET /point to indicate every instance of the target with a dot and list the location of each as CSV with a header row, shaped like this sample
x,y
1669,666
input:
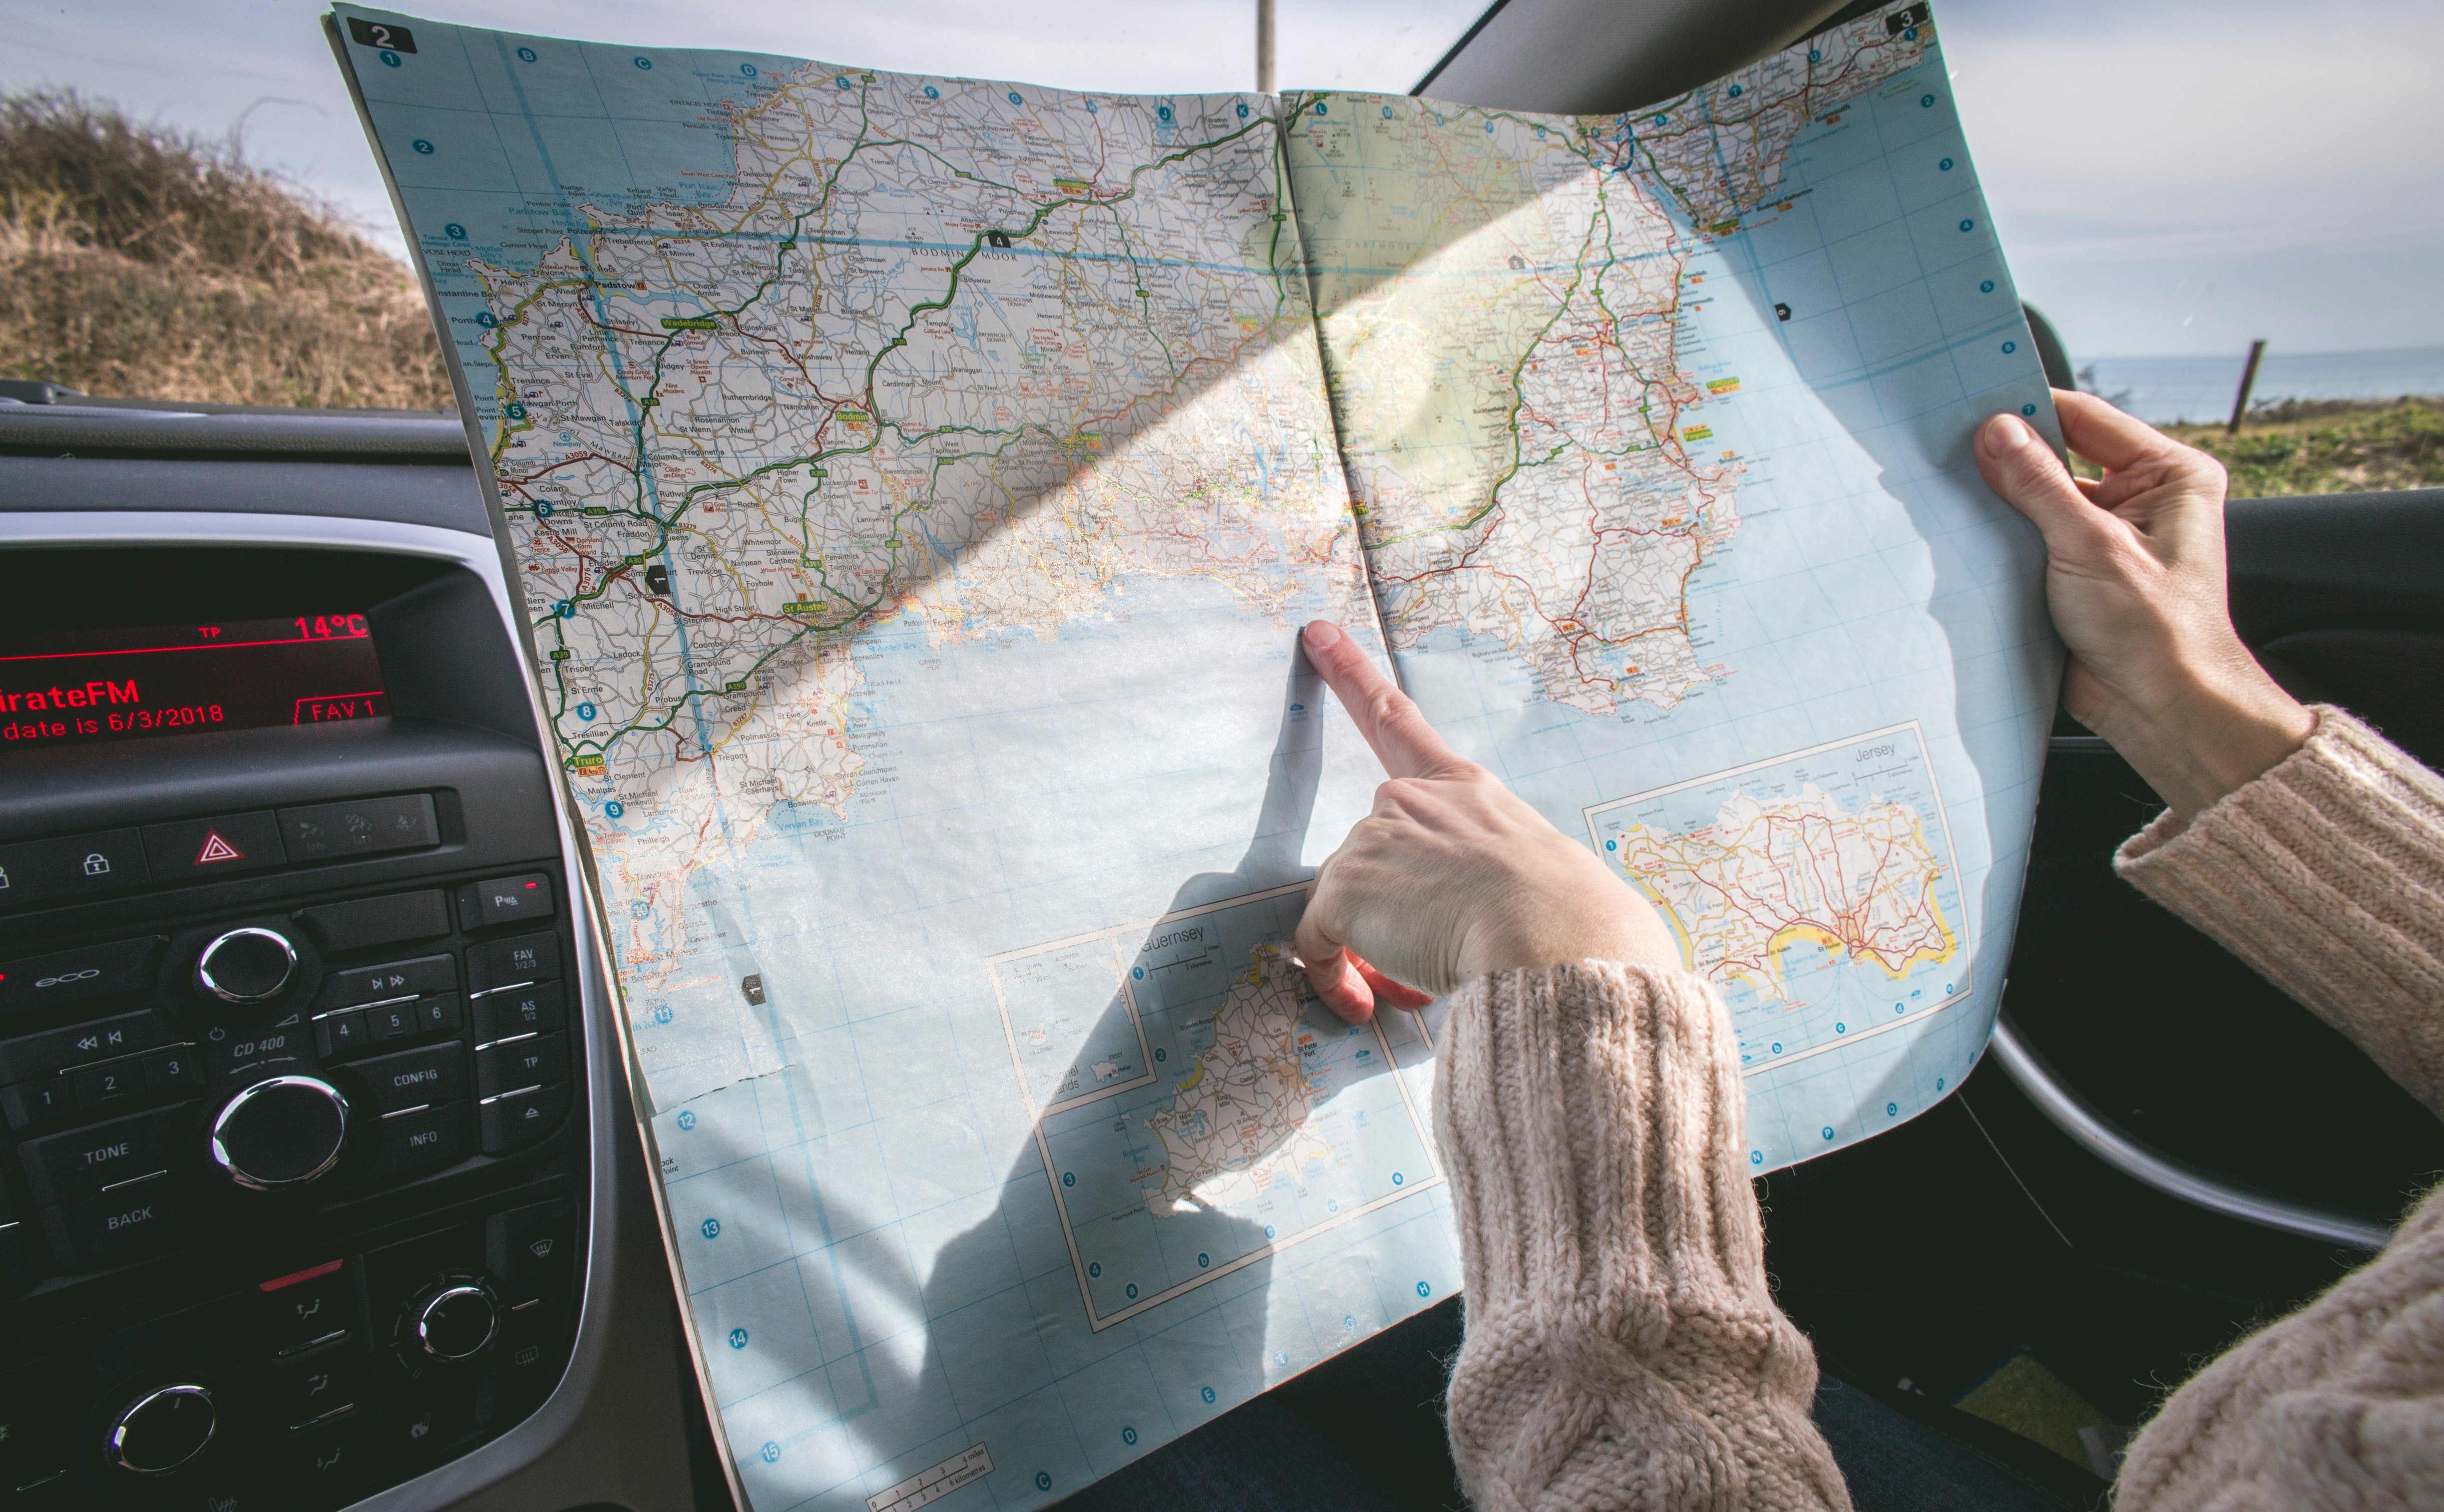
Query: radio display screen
x,y
77,686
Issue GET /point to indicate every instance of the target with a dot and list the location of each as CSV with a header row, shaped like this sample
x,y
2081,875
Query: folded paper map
x,y
915,485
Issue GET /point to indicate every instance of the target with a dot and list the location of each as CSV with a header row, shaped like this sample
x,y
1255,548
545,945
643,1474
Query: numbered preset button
x,y
39,1055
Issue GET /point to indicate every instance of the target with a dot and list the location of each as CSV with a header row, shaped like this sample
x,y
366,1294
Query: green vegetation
x,y
2328,446
138,262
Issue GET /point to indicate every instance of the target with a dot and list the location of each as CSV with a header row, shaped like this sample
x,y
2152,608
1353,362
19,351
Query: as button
x,y
525,1010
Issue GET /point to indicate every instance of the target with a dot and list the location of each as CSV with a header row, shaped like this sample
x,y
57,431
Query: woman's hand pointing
x,y
1451,876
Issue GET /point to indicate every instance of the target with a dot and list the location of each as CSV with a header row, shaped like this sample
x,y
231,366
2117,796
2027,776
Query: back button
x,y
116,1226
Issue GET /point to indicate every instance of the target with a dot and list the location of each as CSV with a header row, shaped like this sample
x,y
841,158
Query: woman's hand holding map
x,y
2135,579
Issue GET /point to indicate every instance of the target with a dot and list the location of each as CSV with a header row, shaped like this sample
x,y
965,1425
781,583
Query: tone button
x,y
82,1163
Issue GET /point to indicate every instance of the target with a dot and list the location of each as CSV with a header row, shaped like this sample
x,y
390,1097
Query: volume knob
x,y
245,966
282,1131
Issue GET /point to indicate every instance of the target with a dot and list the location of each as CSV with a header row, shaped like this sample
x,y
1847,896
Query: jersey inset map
x,y
1817,890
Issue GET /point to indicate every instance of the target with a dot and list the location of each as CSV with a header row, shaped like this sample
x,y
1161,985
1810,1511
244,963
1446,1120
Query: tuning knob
x,y
454,1320
247,966
282,1131
161,1431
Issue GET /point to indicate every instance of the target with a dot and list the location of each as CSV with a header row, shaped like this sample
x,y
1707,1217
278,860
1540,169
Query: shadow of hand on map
x,y
1030,1326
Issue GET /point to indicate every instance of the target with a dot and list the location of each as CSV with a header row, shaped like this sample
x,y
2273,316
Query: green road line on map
x,y
671,336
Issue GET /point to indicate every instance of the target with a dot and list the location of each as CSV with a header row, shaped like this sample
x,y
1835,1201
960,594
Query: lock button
x,y
71,866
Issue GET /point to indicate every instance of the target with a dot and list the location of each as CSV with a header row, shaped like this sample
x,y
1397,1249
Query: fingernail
x,y
2008,432
1322,633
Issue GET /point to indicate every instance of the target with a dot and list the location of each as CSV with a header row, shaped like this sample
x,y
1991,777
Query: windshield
x,y
191,213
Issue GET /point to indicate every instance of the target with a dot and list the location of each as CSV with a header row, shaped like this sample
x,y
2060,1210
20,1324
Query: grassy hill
x,y
2328,446
138,262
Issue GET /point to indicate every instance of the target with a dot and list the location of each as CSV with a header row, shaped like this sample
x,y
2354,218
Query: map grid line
x,y
1098,1321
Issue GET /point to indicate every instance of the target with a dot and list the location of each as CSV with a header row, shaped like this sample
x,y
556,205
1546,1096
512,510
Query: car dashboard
x,y
321,1185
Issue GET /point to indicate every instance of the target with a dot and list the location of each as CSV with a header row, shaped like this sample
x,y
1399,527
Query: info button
x,y
201,848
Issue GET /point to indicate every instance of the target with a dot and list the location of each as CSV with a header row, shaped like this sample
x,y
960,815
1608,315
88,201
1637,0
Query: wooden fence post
x,y
2247,381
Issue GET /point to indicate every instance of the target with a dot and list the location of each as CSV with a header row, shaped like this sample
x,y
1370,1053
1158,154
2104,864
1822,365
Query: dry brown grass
x,y
138,262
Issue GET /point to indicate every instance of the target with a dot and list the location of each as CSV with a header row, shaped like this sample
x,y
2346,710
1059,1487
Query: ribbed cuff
x,y
1591,1118
1623,1350
2326,876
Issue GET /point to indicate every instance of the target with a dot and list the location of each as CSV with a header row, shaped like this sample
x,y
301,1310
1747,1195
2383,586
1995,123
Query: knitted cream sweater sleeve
x,y
1623,1349
2327,876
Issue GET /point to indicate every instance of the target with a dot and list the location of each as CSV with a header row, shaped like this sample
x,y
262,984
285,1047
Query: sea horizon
x,y
2167,390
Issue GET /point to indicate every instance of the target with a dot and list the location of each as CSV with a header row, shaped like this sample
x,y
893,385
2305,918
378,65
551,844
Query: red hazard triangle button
x,y
218,849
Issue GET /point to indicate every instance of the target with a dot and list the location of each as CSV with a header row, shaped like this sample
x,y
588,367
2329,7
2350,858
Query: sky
x,y
2169,177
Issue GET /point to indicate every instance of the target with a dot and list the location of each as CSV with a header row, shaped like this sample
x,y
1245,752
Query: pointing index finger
x,y
1390,721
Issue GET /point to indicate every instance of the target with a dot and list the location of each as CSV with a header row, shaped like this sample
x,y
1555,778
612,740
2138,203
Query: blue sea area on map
x,y
1873,579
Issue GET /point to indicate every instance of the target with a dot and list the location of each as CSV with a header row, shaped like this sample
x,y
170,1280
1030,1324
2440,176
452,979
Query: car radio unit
x,y
292,1097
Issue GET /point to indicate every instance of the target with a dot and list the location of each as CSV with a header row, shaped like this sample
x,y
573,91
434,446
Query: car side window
x,y
2144,165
